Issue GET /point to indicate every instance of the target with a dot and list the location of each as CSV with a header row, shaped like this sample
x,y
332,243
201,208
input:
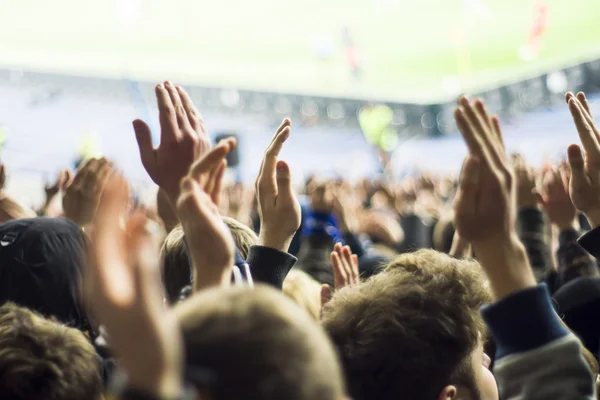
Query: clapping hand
x,y
183,139
485,204
124,290
345,271
584,185
555,200
278,207
81,197
209,240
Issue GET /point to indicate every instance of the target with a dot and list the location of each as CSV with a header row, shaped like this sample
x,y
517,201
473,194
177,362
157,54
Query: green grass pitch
x,y
412,50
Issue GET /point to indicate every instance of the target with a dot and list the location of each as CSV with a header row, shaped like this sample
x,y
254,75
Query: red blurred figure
x,y
537,30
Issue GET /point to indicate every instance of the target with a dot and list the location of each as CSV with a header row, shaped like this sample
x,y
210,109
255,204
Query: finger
x,y
347,262
113,199
465,202
539,198
285,191
474,142
587,114
576,165
217,184
355,270
489,140
584,129
68,180
169,128
212,158
339,274
584,103
180,112
498,132
267,180
145,146
193,115
482,113
326,294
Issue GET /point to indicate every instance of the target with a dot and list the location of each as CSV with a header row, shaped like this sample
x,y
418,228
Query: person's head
x,y
304,291
44,360
414,331
243,236
42,263
256,344
175,264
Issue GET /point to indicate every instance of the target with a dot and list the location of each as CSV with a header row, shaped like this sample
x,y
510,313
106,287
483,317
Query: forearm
x,y
505,261
537,357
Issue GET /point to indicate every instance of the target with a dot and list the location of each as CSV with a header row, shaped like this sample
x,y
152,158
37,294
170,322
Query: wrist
x,y
207,275
277,242
506,264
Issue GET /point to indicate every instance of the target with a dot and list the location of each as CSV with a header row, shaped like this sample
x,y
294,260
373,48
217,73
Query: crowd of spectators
x,y
483,286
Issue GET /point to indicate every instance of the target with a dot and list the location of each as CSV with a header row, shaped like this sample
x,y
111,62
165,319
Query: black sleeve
x,y
269,266
530,223
417,234
573,261
590,241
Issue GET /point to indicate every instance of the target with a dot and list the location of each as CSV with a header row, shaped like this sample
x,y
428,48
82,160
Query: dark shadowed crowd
x,y
483,286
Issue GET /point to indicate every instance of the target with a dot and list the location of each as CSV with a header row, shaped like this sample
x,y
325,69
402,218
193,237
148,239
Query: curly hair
x,y
409,331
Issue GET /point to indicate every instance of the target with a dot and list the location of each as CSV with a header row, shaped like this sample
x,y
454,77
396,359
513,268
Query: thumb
x,y
144,141
576,164
284,180
326,295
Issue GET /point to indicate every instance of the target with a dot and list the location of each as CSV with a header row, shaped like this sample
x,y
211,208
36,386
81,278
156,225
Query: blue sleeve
x,y
523,321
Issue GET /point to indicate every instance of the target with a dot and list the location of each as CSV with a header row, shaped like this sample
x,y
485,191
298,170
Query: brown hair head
x,y
257,344
409,331
42,359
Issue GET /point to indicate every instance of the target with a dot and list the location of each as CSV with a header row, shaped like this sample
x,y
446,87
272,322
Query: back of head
x,y
257,344
43,360
175,264
243,236
409,331
41,267
176,272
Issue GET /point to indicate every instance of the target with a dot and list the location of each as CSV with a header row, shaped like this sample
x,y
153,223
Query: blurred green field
x,y
411,49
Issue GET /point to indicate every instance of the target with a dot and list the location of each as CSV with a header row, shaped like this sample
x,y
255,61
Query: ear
x,y
448,393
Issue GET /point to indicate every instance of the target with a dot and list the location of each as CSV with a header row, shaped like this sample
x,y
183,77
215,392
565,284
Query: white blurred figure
x,y
128,14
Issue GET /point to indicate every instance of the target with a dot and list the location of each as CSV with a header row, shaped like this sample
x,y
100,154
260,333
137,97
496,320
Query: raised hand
x,y
81,198
123,288
345,271
584,186
278,207
485,203
210,243
64,180
555,200
525,183
183,139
